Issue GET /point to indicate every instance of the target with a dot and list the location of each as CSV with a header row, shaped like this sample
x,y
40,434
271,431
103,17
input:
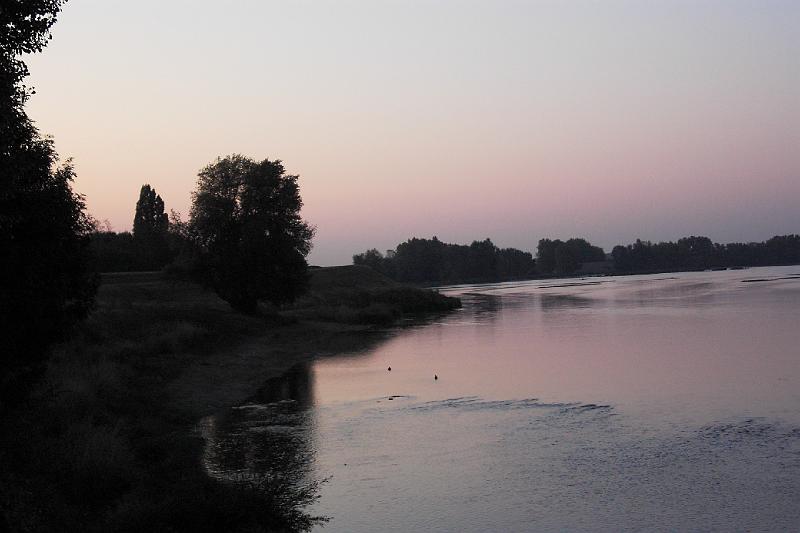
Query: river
x,y
660,402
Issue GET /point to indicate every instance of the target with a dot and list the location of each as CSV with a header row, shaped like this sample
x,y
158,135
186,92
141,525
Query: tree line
x,y
566,257
700,253
434,261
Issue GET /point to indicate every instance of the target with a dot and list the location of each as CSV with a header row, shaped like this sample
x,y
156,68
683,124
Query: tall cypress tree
x,y
150,226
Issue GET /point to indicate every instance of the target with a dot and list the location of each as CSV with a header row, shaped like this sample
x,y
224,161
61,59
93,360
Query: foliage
x,y
104,445
559,257
25,28
433,261
166,243
700,253
116,252
150,227
149,219
245,220
47,286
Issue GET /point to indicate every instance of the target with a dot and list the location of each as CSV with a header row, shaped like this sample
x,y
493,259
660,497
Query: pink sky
x,y
510,120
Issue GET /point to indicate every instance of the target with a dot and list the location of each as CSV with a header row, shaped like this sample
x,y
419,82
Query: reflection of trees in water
x,y
268,441
551,302
265,444
672,293
485,307
296,385
269,435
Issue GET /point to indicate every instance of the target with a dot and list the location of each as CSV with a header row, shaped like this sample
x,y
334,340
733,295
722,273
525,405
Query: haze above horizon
x,y
461,119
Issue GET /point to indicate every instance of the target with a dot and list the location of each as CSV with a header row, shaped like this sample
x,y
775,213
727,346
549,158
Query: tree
x,y
546,255
433,261
371,258
245,218
556,256
566,262
47,285
150,227
150,218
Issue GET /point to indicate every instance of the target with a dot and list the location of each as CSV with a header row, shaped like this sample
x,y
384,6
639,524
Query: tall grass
x,y
99,446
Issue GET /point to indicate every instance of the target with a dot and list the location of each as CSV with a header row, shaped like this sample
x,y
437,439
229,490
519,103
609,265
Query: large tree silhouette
x,y
46,285
150,227
246,220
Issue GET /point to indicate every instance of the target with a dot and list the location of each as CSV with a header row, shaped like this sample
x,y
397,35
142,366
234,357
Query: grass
x,y
359,295
107,443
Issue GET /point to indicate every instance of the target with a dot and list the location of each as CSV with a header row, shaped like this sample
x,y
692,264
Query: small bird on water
x,y
389,369
435,377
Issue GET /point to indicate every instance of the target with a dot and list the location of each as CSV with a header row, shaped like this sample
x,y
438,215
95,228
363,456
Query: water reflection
x,y
650,402
270,435
551,302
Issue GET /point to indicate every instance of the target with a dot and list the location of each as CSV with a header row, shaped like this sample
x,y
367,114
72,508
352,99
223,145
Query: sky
x,y
610,120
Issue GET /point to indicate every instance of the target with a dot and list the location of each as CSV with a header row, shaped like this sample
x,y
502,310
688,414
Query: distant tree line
x,y
566,257
700,253
434,261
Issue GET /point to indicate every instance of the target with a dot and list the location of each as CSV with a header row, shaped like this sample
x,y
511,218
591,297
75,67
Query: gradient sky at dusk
x,y
610,120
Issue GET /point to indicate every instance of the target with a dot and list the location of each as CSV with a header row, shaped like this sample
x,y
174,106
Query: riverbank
x,y
108,442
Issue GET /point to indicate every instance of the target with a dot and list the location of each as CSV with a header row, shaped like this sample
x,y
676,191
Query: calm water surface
x,y
665,402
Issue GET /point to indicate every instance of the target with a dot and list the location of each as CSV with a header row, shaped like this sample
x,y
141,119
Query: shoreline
x,y
228,377
109,439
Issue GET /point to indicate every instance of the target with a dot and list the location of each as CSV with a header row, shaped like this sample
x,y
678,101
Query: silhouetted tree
x,y
245,219
621,257
574,252
150,218
116,252
583,251
150,226
566,261
46,283
546,255
434,261
371,258
699,253
514,264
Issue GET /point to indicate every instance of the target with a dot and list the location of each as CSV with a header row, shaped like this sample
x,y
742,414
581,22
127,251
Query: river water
x,y
658,403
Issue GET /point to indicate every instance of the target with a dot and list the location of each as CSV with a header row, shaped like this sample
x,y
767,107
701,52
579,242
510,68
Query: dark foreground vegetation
x,y
47,285
105,442
101,446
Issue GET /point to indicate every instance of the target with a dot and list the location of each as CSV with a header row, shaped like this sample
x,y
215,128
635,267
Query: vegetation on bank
x,y
103,444
359,295
700,253
435,262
